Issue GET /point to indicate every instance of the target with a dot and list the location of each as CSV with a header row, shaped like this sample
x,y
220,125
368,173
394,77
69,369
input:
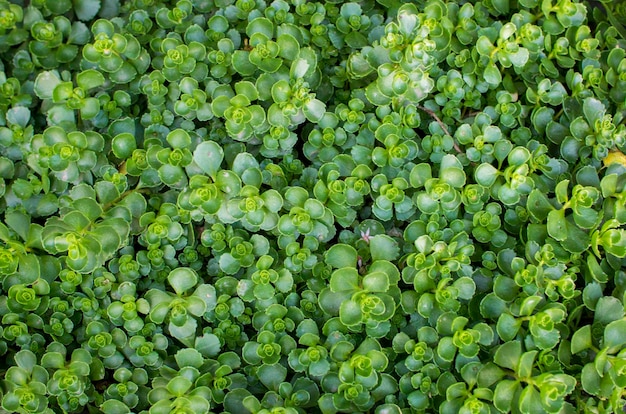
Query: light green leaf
x,y
45,84
505,395
376,282
345,279
341,255
508,355
182,279
272,375
86,9
289,48
615,334
114,407
350,313
314,110
208,345
383,247
581,339
19,222
557,226
209,155
530,401
179,138
247,89
486,174
89,79
492,74
593,110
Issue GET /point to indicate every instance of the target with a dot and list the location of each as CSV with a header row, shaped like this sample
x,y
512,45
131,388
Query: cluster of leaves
x,y
285,206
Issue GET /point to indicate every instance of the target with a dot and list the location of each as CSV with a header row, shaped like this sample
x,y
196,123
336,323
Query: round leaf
x,y
182,279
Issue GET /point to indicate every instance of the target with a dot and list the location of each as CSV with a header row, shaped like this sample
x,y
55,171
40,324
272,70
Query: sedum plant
x,y
282,206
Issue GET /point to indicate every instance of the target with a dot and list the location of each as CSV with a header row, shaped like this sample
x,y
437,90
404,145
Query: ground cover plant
x,y
255,206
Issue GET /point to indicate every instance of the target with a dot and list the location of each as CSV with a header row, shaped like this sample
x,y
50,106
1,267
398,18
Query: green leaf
x,y
289,48
114,407
492,74
272,375
530,401
241,63
508,355
350,313
615,335
341,255
260,25
419,175
581,339
45,83
314,110
208,345
484,46
502,6
314,208
557,225
486,174
593,110
26,359
505,394
608,309
178,386
451,171
62,92
376,96
518,156
345,279
19,222
383,247
538,205
209,156
123,145
490,374
179,138
465,287
86,9
526,364
89,79
53,360
376,282
182,279
247,89
508,326
590,379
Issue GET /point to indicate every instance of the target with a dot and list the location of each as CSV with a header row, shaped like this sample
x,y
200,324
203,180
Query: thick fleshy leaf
x,y
209,155
508,355
615,334
314,110
272,375
505,395
383,247
486,174
341,255
45,84
350,313
376,282
114,407
345,279
182,279
557,225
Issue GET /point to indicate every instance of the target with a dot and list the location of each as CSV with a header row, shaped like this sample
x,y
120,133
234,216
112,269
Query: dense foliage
x,y
255,206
